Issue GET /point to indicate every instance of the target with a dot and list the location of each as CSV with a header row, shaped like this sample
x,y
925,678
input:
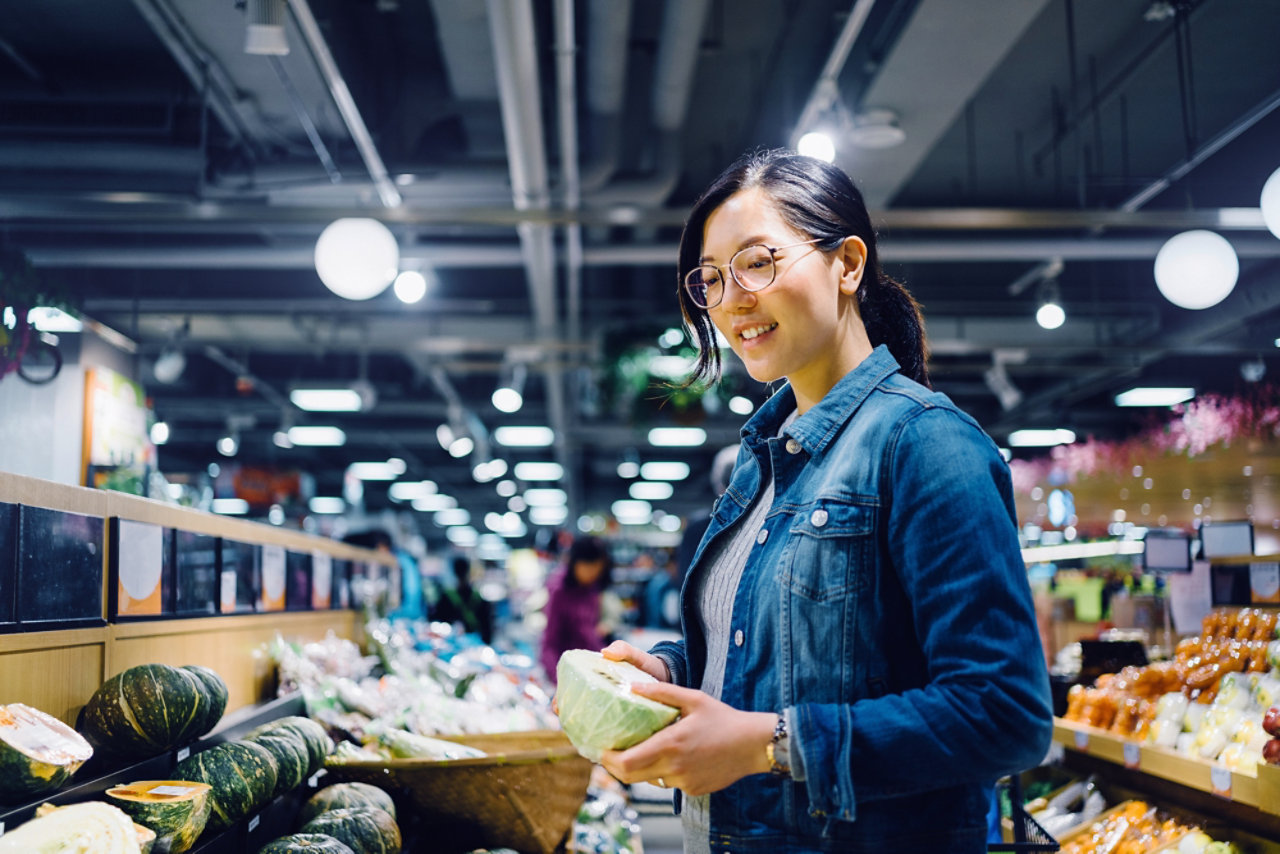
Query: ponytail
x,y
892,317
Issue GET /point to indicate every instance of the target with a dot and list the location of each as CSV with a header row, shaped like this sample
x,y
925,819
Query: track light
x,y
264,35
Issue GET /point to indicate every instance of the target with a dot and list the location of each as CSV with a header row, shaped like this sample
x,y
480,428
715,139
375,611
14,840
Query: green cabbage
x,y
597,709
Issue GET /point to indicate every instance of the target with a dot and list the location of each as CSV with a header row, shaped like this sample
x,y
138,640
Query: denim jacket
x,y
885,606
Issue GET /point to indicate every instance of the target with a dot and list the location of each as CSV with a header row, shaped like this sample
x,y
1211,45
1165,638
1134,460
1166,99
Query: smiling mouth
x,y
757,331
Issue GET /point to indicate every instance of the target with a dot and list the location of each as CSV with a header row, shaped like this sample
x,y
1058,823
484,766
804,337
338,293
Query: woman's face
x,y
588,572
805,326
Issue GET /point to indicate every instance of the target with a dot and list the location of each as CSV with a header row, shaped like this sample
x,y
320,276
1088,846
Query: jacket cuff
x,y
796,755
672,656
821,744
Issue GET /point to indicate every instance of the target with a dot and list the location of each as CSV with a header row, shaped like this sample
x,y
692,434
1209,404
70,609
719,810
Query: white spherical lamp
x,y
817,144
357,258
1271,203
1196,269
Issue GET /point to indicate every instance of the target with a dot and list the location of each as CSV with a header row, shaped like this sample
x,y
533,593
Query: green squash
x,y
306,843
346,796
242,774
366,831
38,752
177,810
217,691
319,745
144,710
291,756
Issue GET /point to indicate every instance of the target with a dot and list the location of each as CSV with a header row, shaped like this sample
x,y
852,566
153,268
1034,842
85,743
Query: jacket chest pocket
x,y
829,546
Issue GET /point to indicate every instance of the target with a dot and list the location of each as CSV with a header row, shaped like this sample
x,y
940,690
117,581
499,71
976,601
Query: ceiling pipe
x,y
346,105
826,91
608,31
683,23
515,53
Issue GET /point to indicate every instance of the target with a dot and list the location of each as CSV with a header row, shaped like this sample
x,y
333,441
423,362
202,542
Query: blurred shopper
x,y
461,603
575,619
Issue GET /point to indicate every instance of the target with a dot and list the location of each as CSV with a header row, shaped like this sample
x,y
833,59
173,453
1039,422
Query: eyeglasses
x,y
754,269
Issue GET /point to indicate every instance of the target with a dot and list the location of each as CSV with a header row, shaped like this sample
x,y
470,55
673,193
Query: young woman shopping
x,y
861,659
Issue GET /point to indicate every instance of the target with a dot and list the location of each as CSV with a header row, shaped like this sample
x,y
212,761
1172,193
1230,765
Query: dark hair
x,y
820,200
588,549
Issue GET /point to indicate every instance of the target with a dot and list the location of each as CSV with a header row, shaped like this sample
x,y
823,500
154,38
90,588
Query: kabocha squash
x,y
346,796
306,843
78,829
177,810
292,757
38,752
243,777
217,692
319,745
365,831
145,710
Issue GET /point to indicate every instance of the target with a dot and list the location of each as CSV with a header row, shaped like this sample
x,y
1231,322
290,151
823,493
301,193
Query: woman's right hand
x,y
651,664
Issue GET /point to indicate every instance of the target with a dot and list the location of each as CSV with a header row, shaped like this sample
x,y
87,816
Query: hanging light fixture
x,y
1270,203
509,395
1050,314
1196,269
357,258
817,144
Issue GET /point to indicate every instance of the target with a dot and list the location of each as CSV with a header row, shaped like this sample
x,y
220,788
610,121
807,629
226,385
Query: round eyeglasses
x,y
753,268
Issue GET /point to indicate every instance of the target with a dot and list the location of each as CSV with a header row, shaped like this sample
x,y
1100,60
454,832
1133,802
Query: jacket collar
x,y
816,428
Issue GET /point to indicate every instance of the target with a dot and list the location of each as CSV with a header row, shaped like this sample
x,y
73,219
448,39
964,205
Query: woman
x,y
857,616
574,615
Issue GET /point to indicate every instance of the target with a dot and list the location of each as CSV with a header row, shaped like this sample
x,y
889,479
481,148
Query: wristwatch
x,y
778,750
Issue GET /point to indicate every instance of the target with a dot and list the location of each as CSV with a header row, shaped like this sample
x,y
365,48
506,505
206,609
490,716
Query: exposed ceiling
x,y
538,159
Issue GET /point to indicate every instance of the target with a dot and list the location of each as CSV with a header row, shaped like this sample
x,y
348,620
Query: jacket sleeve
x,y
985,709
672,652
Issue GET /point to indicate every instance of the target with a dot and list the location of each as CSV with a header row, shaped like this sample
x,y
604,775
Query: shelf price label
x,y
1220,780
184,753
1132,754
1082,740
254,822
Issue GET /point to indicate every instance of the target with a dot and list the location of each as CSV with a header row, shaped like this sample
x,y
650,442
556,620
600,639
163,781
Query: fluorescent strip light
x,y
628,469
651,490
390,470
1047,554
546,497
664,471
1153,396
452,517
327,504
159,433
407,490
740,405
327,399
432,503
49,319
462,536
230,506
1040,438
524,437
548,515
670,523
317,437
632,512
506,488
677,437
539,471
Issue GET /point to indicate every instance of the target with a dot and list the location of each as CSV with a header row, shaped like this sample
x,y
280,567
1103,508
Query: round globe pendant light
x,y
357,258
1270,203
1196,269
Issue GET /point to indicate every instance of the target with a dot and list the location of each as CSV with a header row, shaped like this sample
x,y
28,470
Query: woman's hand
x,y
711,746
651,664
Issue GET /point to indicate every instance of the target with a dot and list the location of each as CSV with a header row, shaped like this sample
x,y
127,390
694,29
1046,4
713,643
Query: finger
x,y
621,651
684,699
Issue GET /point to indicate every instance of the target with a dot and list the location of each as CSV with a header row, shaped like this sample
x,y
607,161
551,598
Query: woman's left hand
x,y
711,746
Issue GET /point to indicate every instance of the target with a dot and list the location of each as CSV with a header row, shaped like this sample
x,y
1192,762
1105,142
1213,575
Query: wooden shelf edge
x,y
1243,788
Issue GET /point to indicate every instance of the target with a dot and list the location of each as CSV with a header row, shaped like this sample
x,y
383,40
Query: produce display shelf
x,y
97,775
1260,790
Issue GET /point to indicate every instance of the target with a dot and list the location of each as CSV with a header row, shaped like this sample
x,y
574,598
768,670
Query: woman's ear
x,y
853,258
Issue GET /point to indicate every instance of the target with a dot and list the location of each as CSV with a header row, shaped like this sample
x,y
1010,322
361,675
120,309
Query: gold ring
x,y
662,782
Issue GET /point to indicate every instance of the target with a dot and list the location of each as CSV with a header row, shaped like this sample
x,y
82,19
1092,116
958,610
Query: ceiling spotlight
x,y
410,286
740,405
1270,203
1050,314
1196,269
1253,370
509,395
817,144
169,365
356,257
159,433
229,445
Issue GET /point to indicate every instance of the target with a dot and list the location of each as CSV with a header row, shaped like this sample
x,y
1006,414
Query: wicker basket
x,y
523,795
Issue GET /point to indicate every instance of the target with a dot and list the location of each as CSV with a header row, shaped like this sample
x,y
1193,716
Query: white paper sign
x,y
173,791
1220,778
273,573
1190,598
228,598
321,578
1132,754
1082,740
141,558
1264,581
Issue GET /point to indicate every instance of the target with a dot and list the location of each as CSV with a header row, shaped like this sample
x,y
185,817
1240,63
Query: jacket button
x,y
762,536
793,447
819,518
738,638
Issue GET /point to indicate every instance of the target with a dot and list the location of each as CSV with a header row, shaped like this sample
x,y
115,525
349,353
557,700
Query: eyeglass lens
x,y
752,268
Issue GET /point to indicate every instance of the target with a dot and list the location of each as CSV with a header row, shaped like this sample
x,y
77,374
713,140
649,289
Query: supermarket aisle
x,y
659,829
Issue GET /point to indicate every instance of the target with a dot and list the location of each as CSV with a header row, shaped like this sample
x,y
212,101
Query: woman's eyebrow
x,y
754,240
